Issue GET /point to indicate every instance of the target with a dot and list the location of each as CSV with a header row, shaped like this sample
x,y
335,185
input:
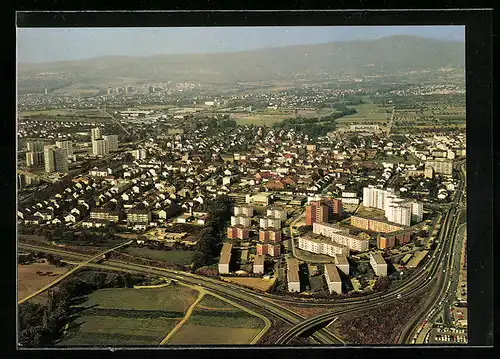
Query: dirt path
x,y
184,320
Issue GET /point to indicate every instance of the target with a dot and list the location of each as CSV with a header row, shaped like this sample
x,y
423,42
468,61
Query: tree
x,y
382,284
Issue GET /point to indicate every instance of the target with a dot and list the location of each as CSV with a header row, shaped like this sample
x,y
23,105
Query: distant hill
x,y
390,54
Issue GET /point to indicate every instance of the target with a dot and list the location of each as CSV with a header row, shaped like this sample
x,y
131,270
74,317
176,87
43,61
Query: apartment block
x,y
375,225
292,275
342,263
316,212
333,278
378,264
238,232
240,220
34,159
269,222
272,235
56,159
225,258
112,142
279,213
258,263
243,210
322,246
442,166
272,249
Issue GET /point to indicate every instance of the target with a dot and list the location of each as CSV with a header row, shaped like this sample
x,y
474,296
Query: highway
x,y
221,288
71,271
420,282
449,274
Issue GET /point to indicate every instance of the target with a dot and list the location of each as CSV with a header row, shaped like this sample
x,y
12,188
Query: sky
x,y
63,44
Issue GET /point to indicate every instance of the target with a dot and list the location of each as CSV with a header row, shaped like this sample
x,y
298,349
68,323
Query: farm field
x,y
367,112
173,298
225,325
119,331
44,113
128,316
29,282
256,283
173,256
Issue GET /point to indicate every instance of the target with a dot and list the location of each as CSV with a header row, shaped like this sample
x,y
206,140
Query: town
x,y
291,201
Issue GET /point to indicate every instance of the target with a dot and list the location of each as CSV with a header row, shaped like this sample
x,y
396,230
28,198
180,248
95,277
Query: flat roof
x,y
259,260
333,272
378,258
225,253
292,270
341,260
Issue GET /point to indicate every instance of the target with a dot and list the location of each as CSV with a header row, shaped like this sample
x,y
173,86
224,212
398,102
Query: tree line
x,y
210,237
41,325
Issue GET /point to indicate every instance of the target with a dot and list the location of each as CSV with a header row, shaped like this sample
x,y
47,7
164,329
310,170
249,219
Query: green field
x,y
106,330
44,113
173,256
127,316
173,298
367,112
208,326
209,301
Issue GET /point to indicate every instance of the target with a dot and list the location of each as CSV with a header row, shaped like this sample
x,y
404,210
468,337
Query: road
x,y
226,290
420,282
449,257
71,271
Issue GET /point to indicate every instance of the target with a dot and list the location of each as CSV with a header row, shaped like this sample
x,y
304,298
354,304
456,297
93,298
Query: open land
x,y
29,282
173,256
127,316
255,283
217,326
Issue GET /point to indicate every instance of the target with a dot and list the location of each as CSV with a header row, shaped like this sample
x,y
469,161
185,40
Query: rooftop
x,y
333,272
377,258
292,270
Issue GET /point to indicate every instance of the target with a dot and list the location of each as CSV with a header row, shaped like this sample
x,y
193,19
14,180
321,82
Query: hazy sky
x,y
59,44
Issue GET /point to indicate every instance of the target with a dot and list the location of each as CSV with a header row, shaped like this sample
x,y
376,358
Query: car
x,y
399,296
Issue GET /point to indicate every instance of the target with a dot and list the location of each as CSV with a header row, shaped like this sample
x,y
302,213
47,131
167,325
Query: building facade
x,y
112,142
292,275
272,235
378,264
55,159
322,246
225,258
316,212
238,232
333,279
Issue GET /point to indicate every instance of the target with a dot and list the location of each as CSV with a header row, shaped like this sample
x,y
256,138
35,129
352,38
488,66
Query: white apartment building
x,y
440,166
112,142
100,147
95,133
396,209
279,213
258,263
35,146
341,236
378,264
333,278
269,222
240,220
243,210
34,159
56,159
139,154
322,246
342,264
292,275
67,145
